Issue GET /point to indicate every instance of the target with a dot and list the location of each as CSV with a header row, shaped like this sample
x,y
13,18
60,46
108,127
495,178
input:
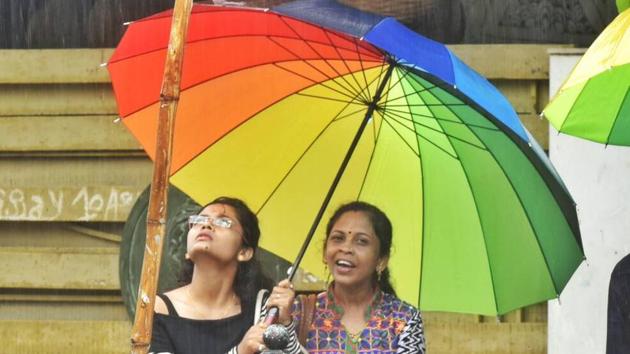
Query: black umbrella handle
x,y
342,168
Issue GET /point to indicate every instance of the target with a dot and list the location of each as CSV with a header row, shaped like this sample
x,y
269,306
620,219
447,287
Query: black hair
x,y
383,229
249,275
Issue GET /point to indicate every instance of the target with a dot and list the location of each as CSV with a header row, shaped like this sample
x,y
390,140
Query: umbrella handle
x,y
272,316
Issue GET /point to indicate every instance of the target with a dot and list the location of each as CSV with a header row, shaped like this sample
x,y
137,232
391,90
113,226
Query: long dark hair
x,y
249,275
383,229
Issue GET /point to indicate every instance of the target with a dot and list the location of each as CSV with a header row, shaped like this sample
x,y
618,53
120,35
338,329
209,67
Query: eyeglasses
x,y
202,220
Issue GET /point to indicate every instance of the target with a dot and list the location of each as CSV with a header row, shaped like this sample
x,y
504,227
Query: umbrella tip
x,y
103,65
117,120
541,115
127,23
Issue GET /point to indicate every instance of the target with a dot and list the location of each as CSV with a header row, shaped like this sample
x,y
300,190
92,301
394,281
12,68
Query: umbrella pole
x,y
156,217
342,168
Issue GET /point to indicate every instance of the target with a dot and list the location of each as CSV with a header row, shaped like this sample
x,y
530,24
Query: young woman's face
x,y
216,233
352,250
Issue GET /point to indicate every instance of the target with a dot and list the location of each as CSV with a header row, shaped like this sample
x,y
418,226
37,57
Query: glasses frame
x,y
223,222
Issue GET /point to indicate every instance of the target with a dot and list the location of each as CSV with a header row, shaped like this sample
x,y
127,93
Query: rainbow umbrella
x,y
594,102
312,104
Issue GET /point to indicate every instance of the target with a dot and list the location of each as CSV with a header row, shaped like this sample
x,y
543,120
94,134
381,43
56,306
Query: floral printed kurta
x,y
393,326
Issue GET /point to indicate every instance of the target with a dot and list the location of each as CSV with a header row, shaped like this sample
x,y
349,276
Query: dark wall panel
x,y
99,23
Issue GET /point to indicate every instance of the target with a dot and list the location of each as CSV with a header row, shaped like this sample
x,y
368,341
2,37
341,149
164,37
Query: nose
x,y
207,226
347,247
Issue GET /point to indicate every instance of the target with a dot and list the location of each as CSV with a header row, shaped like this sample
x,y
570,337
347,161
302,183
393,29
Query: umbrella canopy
x,y
271,102
594,102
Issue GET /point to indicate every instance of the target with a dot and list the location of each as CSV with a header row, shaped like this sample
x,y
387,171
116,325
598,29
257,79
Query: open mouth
x,y
341,263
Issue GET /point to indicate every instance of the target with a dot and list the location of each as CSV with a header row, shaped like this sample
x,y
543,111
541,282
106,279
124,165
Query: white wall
x,y
598,178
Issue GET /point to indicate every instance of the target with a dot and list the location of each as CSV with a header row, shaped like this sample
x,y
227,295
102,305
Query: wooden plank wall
x,y
69,176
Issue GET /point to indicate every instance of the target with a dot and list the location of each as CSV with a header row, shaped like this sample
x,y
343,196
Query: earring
x,y
379,272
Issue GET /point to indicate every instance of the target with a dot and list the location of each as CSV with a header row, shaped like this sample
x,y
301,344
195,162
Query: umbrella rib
x,y
409,145
433,113
254,114
529,220
363,69
297,161
349,114
330,78
398,81
406,74
252,35
440,119
427,105
319,54
345,94
481,224
394,116
352,98
525,211
213,13
573,105
625,98
409,94
346,64
423,208
369,83
385,114
277,64
330,98
367,169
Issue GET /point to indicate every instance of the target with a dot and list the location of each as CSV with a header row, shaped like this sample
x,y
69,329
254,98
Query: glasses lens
x,y
195,220
223,222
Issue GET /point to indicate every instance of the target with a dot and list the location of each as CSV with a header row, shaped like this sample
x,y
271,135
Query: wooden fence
x,y
69,176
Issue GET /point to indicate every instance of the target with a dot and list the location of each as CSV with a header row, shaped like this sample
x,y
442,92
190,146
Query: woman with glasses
x,y
359,313
218,308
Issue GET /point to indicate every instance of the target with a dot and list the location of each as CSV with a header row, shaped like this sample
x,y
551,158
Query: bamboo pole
x,y
156,218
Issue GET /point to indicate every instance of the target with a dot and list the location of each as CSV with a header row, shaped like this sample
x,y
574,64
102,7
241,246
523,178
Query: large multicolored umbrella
x,y
594,102
273,102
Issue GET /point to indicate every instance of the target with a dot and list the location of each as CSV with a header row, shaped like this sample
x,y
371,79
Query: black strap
x,y
169,305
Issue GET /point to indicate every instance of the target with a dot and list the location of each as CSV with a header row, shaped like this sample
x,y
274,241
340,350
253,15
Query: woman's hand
x,y
252,342
282,297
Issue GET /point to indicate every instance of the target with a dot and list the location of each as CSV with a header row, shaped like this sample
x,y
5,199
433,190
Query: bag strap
x,y
308,311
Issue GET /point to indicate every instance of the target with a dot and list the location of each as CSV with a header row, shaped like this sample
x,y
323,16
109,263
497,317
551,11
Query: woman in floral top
x,y
360,313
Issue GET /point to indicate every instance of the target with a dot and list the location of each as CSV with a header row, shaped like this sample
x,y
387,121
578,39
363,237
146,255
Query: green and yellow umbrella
x,y
279,105
594,102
